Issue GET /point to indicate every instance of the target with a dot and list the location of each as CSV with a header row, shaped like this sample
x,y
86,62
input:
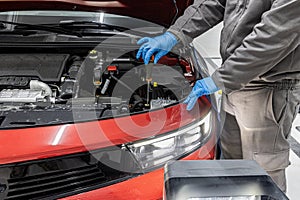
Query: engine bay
x,y
48,88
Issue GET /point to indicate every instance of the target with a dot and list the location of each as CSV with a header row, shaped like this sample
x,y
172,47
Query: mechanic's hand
x,y
160,45
202,87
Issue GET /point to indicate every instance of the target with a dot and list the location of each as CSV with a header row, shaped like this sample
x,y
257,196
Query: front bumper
x,y
148,186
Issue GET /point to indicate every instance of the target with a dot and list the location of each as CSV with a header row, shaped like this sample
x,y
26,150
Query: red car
x,y
81,117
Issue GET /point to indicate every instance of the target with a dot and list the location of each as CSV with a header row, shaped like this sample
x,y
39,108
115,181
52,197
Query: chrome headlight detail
x,y
158,150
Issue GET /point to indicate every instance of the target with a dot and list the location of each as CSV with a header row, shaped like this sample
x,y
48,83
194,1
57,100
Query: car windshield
x,y
32,24
45,17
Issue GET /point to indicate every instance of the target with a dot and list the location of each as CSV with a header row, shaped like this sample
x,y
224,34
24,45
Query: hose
x,y
38,85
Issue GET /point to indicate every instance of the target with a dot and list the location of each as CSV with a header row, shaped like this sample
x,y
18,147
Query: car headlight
x,y
156,151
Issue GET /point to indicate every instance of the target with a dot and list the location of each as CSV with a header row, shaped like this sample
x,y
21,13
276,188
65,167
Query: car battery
x,y
219,180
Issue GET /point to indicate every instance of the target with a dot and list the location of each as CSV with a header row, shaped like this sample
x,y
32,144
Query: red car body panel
x,y
22,144
138,188
165,10
49,141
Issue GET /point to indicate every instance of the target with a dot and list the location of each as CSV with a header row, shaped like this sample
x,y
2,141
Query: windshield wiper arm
x,y
22,26
90,24
71,24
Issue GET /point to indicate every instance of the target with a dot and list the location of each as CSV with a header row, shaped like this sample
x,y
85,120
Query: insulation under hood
x,y
162,12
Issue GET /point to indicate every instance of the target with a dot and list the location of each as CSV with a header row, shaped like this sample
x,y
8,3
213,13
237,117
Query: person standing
x,y
259,76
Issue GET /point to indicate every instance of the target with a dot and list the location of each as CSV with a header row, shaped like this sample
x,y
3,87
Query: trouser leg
x,y
264,118
230,139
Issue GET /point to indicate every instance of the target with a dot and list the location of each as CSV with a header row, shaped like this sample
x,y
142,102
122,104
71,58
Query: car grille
x,y
59,177
30,187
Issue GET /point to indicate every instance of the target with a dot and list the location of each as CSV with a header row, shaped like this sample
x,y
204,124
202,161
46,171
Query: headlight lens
x,y
158,150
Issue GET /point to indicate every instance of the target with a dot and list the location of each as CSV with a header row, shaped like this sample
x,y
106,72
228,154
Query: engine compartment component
x,y
12,81
160,103
47,67
106,82
38,92
21,96
40,86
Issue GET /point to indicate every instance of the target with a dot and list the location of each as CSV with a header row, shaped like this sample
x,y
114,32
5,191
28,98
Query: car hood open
x,y
162,12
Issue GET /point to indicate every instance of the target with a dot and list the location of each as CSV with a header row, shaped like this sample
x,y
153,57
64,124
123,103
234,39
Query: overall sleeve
x,y
198,18
274,38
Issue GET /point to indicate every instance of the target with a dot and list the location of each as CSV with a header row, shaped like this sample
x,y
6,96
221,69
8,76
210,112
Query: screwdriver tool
x,y
149,69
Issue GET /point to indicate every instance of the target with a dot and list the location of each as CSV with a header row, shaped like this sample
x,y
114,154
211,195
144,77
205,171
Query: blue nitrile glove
x,y
202,87
160,45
